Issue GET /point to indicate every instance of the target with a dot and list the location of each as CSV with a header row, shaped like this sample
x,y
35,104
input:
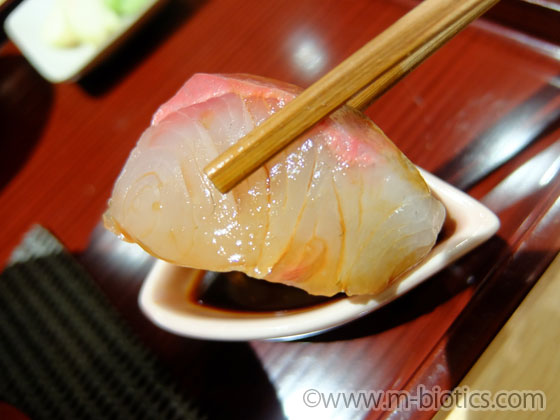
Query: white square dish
x,y
163,294
24,25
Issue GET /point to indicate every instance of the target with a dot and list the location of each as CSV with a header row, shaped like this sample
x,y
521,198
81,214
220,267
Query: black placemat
x,y
65,353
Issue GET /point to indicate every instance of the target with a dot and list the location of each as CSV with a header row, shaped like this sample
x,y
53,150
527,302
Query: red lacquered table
x,y
483,113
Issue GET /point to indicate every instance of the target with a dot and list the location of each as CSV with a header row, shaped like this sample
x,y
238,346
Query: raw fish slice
x,y
339,210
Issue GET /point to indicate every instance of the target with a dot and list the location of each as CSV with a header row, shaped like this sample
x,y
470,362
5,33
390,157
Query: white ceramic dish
x,y
24,25
163,294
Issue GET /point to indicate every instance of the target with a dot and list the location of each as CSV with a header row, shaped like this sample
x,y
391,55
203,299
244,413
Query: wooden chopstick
x,y
364,75
379,86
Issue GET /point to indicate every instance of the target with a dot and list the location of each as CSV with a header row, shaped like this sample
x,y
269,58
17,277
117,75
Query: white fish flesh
x,y
340,210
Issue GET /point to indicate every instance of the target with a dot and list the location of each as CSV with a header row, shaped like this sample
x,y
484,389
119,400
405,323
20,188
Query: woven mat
x,y
65,353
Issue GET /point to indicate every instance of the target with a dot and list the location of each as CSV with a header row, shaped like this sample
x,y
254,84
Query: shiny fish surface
x,y
339,210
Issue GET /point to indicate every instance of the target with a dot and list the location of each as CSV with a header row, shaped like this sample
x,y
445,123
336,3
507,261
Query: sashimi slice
x,y
339,210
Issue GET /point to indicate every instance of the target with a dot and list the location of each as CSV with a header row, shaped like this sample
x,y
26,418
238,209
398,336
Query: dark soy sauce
x,y
239,293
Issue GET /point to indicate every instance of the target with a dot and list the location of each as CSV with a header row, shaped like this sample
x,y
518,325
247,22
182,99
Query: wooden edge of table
x,y
467,338
523,356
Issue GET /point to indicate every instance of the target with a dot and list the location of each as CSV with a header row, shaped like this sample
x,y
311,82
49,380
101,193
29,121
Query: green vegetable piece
x,y
125,7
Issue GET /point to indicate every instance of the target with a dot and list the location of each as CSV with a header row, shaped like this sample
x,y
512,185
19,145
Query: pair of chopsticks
x,y
357,81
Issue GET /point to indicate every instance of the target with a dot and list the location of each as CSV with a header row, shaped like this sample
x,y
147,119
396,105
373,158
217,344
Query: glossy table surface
x,y
482,113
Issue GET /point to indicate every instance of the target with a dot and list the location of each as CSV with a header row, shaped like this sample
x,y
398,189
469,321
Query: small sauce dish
x,y
25,25
169,296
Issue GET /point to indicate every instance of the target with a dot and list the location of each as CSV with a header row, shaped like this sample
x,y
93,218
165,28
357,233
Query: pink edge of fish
x,y
202,87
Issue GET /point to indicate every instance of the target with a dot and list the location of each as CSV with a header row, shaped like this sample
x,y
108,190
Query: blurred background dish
x,y
63,39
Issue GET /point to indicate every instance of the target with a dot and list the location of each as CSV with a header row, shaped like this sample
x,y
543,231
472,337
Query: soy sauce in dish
x,y
238,292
